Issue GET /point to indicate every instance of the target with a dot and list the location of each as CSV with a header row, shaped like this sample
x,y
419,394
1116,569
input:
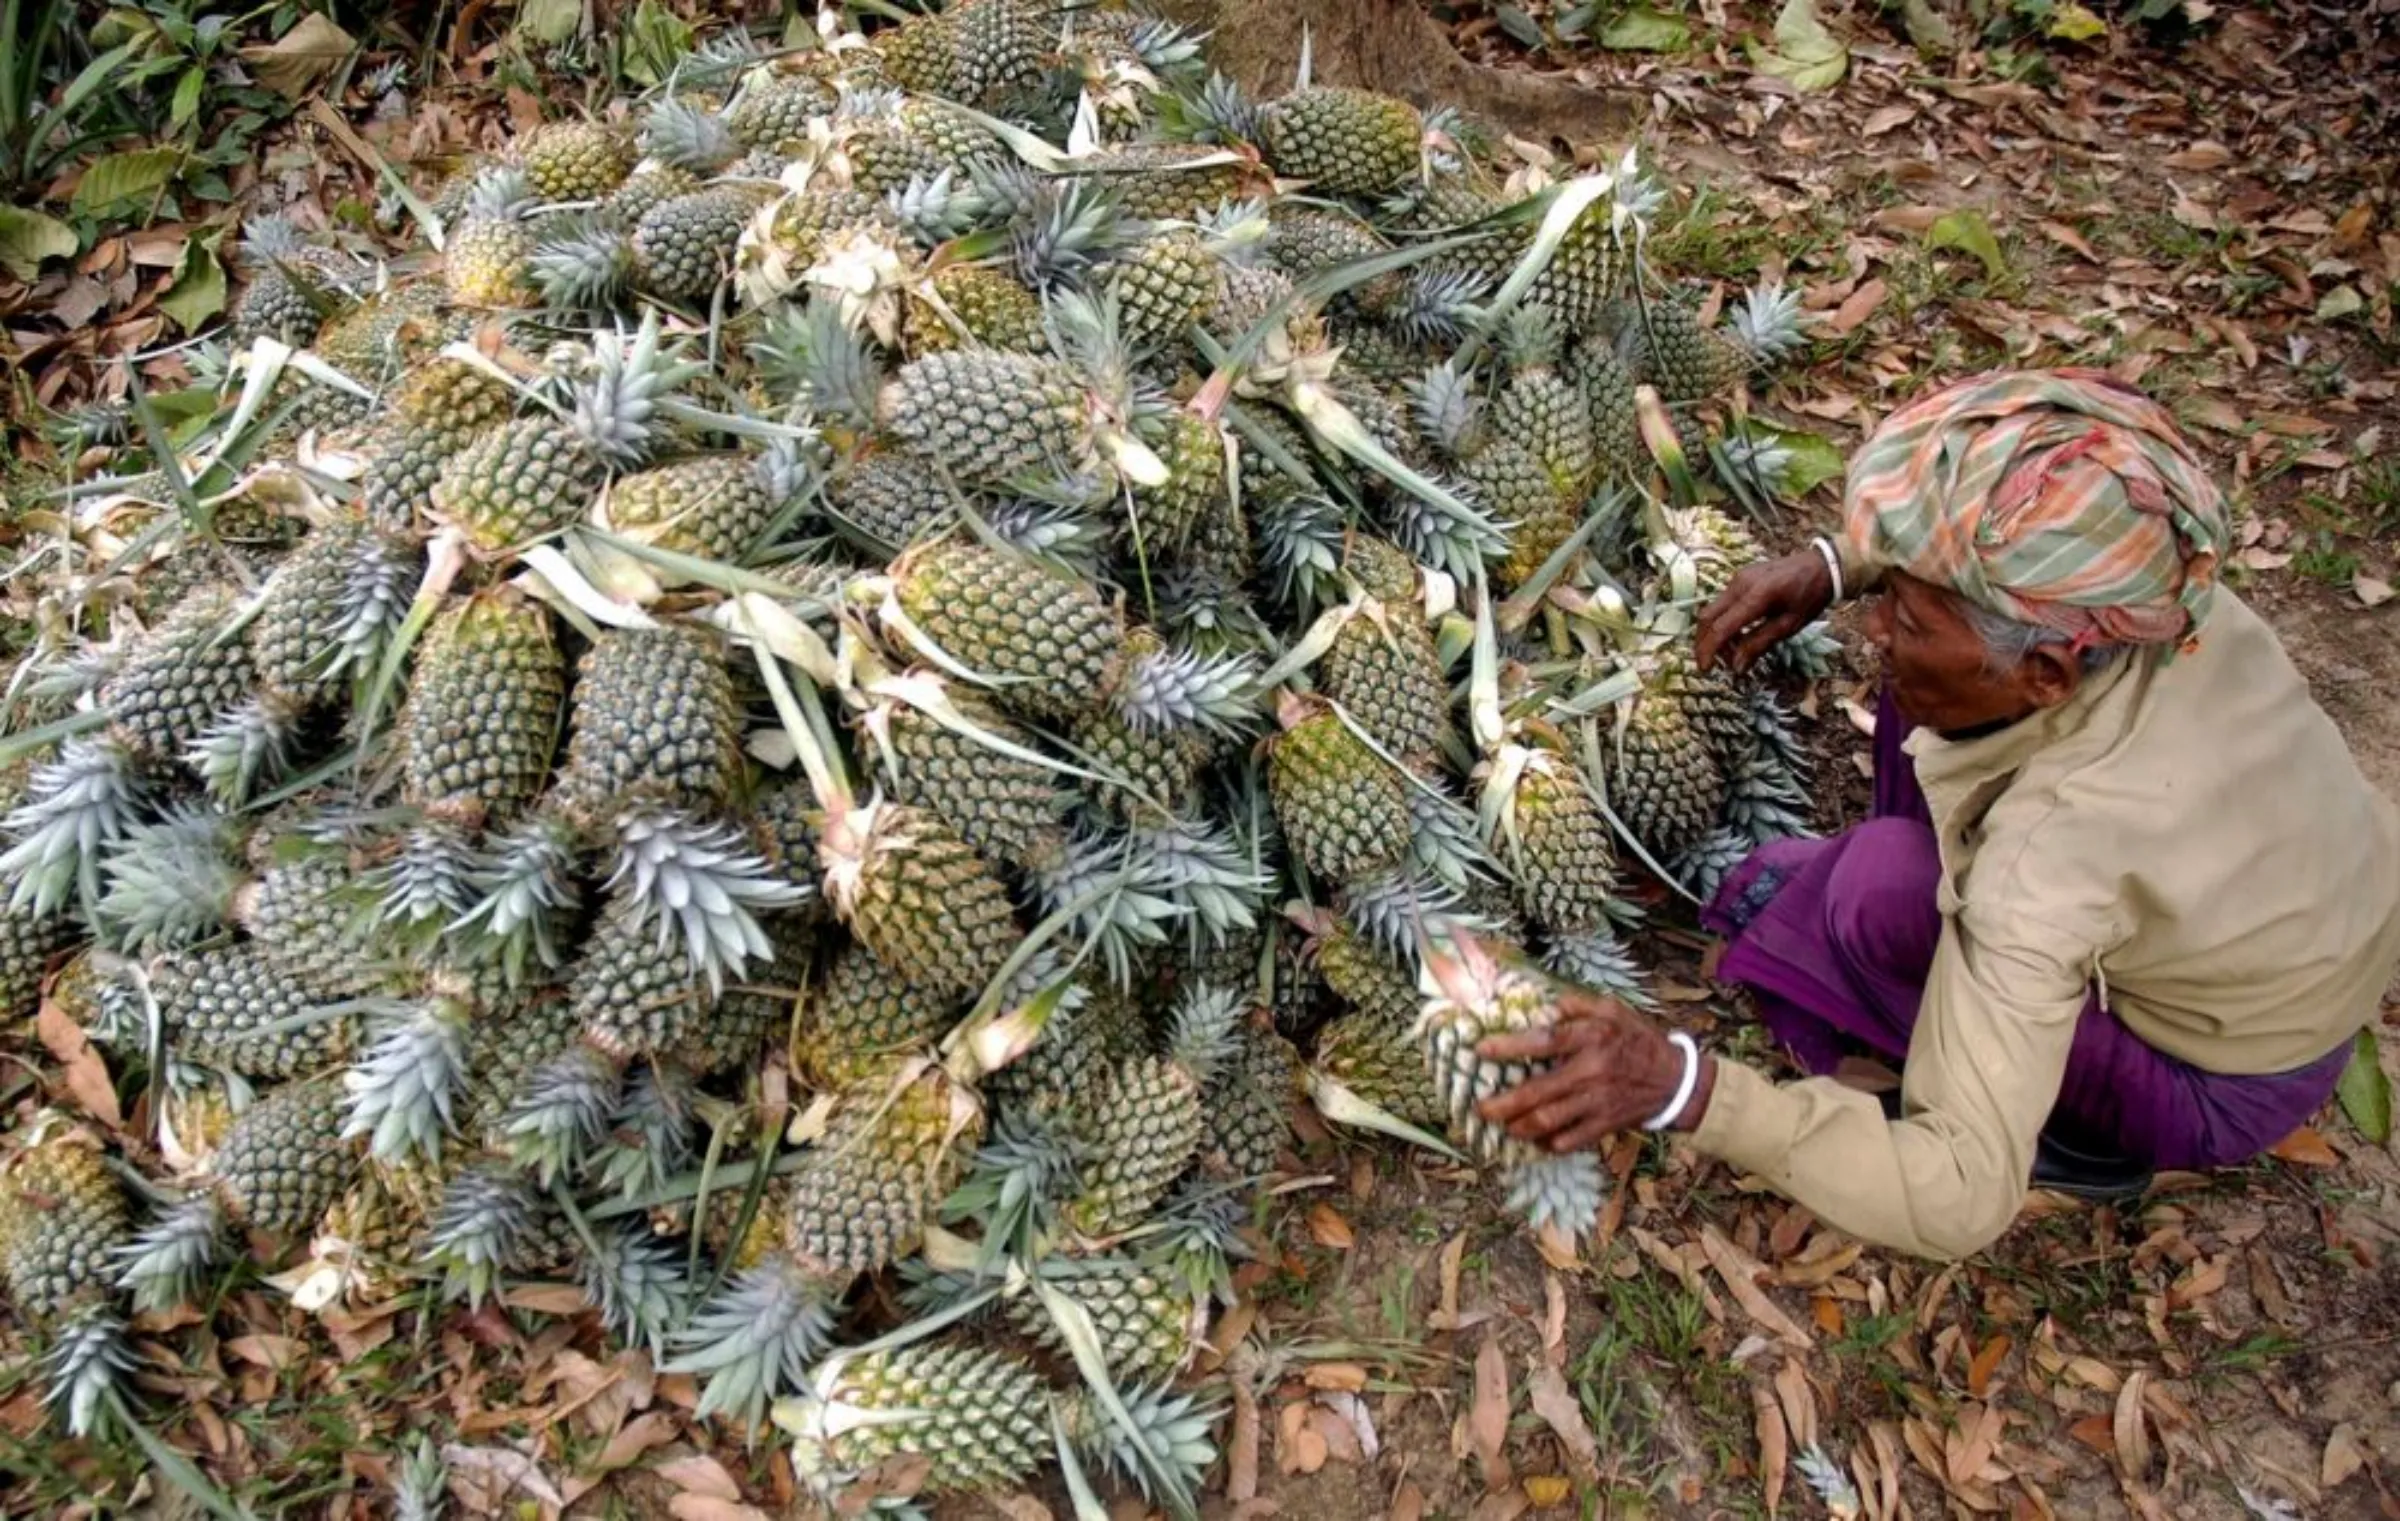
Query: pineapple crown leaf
x,y
162,1265
486,1218
637,1280
87,1363
756,1337
703,882
74,808
682,134
1531,335
1446,407
1437,306
1205,1027
582,262
1767,323
616,408
1175,688
403,1090
501,193
172,881
560,1112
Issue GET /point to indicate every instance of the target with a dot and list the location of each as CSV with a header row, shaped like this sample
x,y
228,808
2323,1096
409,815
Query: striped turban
x,y
2060,498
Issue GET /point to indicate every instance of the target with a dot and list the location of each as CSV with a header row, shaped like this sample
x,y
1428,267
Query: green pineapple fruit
x,y
994,308
1010,808
284,1162
1664,344
307,911
487,261
1510,482
1249,1107
1383,669
1385,1067
62,1217
708,506
763,1234
1344,810
1362,976
179,678
1718,547
918,897
892,498
1617,453
1146,1125
862,1013
898,1143
1170,182
1171,514
223,1007
625,206
575,160
635,992
1663,778
482,714
992,417
1049,642
1163,285
1075,1058
654,717
1555,838
1148,1326
28,940
438,411
683,245
978,1419
1539,406
1344,141
774,109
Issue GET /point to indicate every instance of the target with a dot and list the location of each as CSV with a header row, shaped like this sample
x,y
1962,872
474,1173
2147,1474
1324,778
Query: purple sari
x,y
1835,937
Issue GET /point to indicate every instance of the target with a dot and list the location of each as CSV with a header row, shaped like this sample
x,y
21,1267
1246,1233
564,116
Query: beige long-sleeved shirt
x,y
2193,838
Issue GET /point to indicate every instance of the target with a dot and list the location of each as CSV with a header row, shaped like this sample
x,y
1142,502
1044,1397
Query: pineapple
x,y
28,941
307,912
683,246
1475,996
970,52
1164,182
1163,285
487,261
575,160
62,1215
916,895
231,1008
1539,406
1172,514
708,506
1663,344
1362,976
1249,1106
1010,807
1047,643
774,109
1162,722
898,1144
1554,837
979,1419
482,715
1147,1123
438,411
862,1013
1368,1059
1148,1327
992,417
631,992
1344,810
1617,452
1383,669
1663,778
993,309
655,718
760,1237
179,679
1344,141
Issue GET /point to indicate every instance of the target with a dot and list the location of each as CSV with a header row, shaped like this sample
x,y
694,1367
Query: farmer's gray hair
x,y
2006,642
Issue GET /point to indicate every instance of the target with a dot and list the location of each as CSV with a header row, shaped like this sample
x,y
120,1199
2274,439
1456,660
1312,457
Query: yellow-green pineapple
x,y
654,718
62,1216
1343,808
482,716
898,1143
994,307
862,1013
1008,806
575,160
230,1007
1146,1124
1383,669
1344,141
918,896
1047,643
1551,832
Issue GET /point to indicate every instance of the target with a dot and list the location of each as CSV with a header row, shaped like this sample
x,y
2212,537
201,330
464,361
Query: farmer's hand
x,y
1763,605
1612,1070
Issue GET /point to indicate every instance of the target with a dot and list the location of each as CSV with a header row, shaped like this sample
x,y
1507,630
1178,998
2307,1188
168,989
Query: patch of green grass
x,y
2325,563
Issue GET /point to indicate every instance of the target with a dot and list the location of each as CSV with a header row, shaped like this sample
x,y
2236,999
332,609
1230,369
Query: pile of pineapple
x,y
863,676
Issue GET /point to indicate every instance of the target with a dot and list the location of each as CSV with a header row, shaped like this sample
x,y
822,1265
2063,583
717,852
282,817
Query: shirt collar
x,y
1965,762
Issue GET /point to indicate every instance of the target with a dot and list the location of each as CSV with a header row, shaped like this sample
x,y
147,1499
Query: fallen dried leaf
x,y
1862,303
2343,1456
1774,1445
700,1475
1546,1389
2305,1148
2372,591
1487,1420
715,1508
1329,1229
1971,1443
1507,1505
1241,1446
1987,1359
2130,1431
1554,1320
276,1352
2204,154
1548,1489
1798,1401
1408,1503
85,1073
2068,238
1741,1273
1347,1378
1454,1253
1299,1446
1341,1439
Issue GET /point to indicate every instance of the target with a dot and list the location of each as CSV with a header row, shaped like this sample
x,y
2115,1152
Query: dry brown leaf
x,y
1910,219
1487,1420
85,1073
1241,1446
1774,1445
1341,1439
2068,238
1861,305
1506,1505
2203,1280
1347,1378
1548,1489
1408,1503
2371,591
1454,1253
2305,1148
1329,1229
1813,1271
1971,1442
2192,214
274,1352
1554,1320
1741,1273
1986,1362
2343,1457
2129,1431
1798,1401
1546,1390
2205,154
1022,1507
638,1436
1888,119
1299,1447
2215,412
700,1475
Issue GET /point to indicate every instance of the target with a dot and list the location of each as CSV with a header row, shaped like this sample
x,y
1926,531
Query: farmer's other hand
x,y
1763,605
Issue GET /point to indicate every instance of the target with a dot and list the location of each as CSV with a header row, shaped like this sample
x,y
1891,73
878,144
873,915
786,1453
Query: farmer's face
x,y
1941,675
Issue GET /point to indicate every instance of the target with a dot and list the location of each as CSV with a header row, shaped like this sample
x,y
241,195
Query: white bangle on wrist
x,y
1684,1089
1833,562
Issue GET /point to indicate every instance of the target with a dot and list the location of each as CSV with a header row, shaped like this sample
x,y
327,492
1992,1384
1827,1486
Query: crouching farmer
x,y
2124,900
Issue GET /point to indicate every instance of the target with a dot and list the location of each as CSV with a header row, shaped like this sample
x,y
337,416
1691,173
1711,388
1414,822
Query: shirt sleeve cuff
x,y
1749,1120
1860,575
